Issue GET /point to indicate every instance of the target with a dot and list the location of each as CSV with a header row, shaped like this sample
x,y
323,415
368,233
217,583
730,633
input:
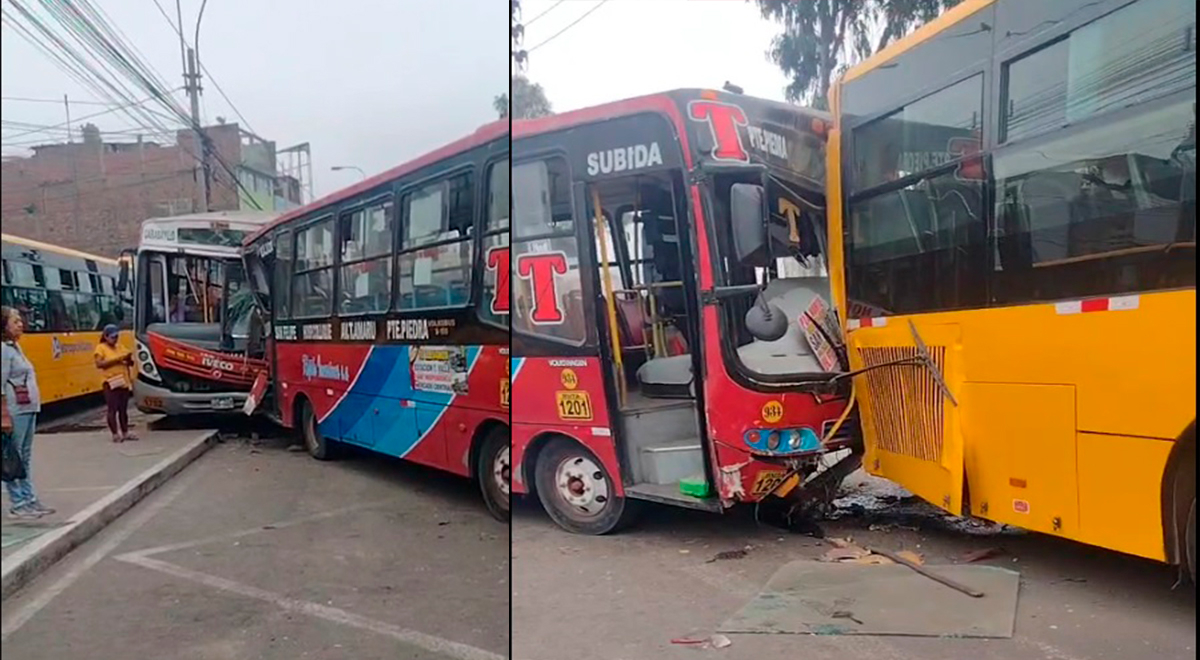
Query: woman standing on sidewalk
x,y
22,403
114,362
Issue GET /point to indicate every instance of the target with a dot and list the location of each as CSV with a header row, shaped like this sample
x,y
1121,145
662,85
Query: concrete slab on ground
x,y
71,471
90,481
672,578
256,552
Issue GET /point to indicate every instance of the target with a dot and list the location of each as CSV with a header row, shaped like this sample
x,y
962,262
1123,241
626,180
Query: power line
x,y
531,21
569,26
99,39
79,119
25,99
179,32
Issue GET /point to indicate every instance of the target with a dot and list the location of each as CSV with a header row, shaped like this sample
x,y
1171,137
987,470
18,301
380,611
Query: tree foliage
x,y
822,38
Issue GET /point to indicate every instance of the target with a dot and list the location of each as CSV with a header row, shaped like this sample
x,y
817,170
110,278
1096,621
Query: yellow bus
x,y
1013,226
66,298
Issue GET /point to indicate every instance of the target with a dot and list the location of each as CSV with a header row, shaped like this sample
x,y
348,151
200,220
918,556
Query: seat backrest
x,y
631,323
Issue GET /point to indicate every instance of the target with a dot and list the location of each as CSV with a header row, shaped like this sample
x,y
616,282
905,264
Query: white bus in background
x,y
193,313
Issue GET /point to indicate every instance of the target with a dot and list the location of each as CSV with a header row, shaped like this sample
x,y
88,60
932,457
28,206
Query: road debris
x,y
726,555
980,554
904,561
716,641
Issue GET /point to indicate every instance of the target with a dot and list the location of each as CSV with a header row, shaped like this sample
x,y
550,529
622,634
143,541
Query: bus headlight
x,y
773,441
145,362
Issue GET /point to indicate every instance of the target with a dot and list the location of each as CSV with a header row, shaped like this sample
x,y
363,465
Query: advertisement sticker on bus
x,y
439,369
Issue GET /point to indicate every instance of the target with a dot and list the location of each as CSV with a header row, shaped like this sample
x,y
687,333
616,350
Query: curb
x,y
32,560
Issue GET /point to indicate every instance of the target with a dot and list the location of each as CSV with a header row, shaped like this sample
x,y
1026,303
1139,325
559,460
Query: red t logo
x,y
498,260
540,269
723,120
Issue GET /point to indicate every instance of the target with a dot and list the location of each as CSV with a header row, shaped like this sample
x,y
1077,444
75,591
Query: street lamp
x,y
339,168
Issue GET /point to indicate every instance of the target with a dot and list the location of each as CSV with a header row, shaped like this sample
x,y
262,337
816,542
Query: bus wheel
x,y
577,492
1191,542
494,470
317,445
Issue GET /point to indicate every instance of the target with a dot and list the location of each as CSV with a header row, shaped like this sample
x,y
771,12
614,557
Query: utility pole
x,y
192,78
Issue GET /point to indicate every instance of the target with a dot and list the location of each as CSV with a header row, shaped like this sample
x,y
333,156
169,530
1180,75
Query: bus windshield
x,y
789,269
203,290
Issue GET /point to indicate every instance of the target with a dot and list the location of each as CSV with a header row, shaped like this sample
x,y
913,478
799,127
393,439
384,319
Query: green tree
x,y
822,38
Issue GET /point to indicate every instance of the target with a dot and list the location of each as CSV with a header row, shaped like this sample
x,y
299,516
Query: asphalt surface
x,y
627,596
258,552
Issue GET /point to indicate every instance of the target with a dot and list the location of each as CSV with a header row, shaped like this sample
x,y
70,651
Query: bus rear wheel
x,y
493,468
317,445
577,492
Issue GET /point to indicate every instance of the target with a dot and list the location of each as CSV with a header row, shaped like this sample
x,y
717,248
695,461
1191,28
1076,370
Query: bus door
x,y
650,324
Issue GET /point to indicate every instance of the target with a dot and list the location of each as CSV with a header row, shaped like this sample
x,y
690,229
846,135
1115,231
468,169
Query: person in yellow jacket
x,y
114,362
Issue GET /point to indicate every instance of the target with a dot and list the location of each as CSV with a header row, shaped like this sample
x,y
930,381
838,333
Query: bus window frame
x,y
404,193
326,216
485,231
587,344
383,199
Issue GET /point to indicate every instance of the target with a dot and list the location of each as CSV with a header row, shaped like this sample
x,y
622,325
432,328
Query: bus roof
x,y
47,247
919,36
481,136
664,102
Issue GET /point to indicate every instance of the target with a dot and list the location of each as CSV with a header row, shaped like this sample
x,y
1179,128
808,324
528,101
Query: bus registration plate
x,y
223,403
574,405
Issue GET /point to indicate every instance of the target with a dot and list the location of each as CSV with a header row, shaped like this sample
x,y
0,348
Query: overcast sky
x,y
370,83
632,47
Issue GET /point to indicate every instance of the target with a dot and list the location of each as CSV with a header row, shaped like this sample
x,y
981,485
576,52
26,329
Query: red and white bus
x,y
193,313
388,311
673,337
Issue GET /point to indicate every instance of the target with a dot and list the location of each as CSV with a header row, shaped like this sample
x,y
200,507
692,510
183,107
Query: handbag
x,y
13,466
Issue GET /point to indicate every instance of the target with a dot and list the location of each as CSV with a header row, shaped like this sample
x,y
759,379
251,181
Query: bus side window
x,y
312,283
365,276
435,255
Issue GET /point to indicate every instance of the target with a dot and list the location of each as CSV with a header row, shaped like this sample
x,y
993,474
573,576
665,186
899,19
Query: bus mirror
x,y
746,205
123,277
125,260
765,321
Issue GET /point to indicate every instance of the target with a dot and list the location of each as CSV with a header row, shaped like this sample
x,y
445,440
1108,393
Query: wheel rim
x,y
502,472
582,487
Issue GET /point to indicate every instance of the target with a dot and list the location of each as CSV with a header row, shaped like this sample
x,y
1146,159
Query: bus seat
x,y
667,377
631,323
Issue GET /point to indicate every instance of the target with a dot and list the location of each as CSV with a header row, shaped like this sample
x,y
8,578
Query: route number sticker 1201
x,y
574,405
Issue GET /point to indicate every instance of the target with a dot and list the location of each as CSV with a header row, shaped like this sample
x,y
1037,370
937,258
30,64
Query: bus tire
x,y
1191,542
317,445
493,468
577,492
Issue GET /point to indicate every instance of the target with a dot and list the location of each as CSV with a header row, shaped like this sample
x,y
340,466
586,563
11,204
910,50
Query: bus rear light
x,y
782,441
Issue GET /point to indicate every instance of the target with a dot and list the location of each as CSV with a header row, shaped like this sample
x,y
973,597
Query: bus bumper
x,y
152,399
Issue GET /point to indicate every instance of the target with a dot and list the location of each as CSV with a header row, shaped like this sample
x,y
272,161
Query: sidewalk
x,y
90,480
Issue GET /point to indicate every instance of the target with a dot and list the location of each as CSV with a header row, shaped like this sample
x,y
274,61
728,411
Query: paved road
x,y
262,553
625,597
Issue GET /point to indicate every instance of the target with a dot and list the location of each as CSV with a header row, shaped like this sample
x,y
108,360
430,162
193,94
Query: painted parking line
x,y
335,615
19,615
